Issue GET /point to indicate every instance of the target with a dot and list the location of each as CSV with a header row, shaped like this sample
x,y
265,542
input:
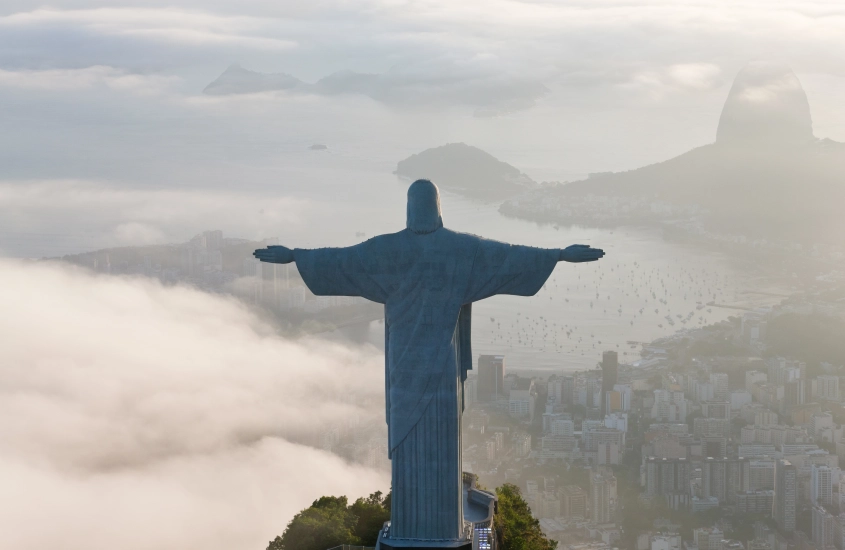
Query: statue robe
x,y
427,283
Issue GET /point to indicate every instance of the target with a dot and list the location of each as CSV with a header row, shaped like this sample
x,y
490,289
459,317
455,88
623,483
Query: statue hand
x,y
580,253
274,254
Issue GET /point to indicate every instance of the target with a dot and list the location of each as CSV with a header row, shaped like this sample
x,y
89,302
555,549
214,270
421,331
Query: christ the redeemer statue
x,y
427,277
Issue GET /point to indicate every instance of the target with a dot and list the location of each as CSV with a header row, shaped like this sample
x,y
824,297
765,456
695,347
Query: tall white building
x,y
820,422
669,406
563,426
761,475
786,495
665,542
521,444
602,496
522,398
719,381
840,539
738,398
824,527
821,485
608,444
702,391
470,395
708,538
617,421
827,387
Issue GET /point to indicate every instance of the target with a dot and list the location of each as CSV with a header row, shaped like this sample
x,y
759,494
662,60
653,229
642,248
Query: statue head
x,y
424,207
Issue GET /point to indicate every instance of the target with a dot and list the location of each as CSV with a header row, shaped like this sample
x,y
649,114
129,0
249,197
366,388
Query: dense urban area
x,y
713,439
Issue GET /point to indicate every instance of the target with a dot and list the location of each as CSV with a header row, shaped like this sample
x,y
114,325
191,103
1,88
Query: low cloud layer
x,y
89,78
167,25
143,417
133,217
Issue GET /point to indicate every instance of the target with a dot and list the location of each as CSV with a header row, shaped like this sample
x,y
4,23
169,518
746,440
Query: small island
x,y
466,170
318,147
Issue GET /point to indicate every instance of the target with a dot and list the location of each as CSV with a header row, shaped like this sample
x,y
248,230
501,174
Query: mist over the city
x,y
162,388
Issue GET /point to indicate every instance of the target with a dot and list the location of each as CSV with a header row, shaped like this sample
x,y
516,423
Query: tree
x,y
327,523
827,446
811,338
371,512
516,528
689,521
575,475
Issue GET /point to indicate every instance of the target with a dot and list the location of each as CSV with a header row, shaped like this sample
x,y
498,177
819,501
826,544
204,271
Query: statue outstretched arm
x,y
329,271
501,268
580,253
274,254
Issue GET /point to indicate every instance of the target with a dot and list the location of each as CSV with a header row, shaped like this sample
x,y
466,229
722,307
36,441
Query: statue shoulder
x,y
463,244
459,237
470,239
385,241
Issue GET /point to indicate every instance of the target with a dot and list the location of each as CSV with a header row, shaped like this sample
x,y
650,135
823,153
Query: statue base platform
x,y
399,544
479,507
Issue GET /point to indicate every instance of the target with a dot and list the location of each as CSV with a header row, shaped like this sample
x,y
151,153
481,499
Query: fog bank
x,y
138,416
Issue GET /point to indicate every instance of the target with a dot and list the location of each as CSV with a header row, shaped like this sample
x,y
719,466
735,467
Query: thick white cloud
x,y
191,27
604,55
676,78
526,39
144,417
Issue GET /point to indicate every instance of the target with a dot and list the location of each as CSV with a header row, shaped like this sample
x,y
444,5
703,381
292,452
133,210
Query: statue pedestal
x,y
422,545
479,507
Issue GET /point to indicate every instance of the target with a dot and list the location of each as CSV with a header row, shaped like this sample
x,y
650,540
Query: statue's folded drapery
x,y
427,283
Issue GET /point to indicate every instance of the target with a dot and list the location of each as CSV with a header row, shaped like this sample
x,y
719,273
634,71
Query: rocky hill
x,y
466,170
237,80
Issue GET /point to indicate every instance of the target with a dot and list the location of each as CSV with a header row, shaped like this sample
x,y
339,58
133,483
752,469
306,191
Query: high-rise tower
x,y
491,377
786,493
609,375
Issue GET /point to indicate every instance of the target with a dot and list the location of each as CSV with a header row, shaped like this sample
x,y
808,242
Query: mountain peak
x,y
765,106
237,80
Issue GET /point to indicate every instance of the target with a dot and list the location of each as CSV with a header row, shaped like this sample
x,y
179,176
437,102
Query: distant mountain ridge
x,y
766,174
238,80
491,95
235,80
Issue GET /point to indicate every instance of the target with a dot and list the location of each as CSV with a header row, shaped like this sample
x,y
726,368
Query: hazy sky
x,y
628,83
108,95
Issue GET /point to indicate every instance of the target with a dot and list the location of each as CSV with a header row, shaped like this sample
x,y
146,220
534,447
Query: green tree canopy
x,y
811,338
331,521
516,528
371,512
